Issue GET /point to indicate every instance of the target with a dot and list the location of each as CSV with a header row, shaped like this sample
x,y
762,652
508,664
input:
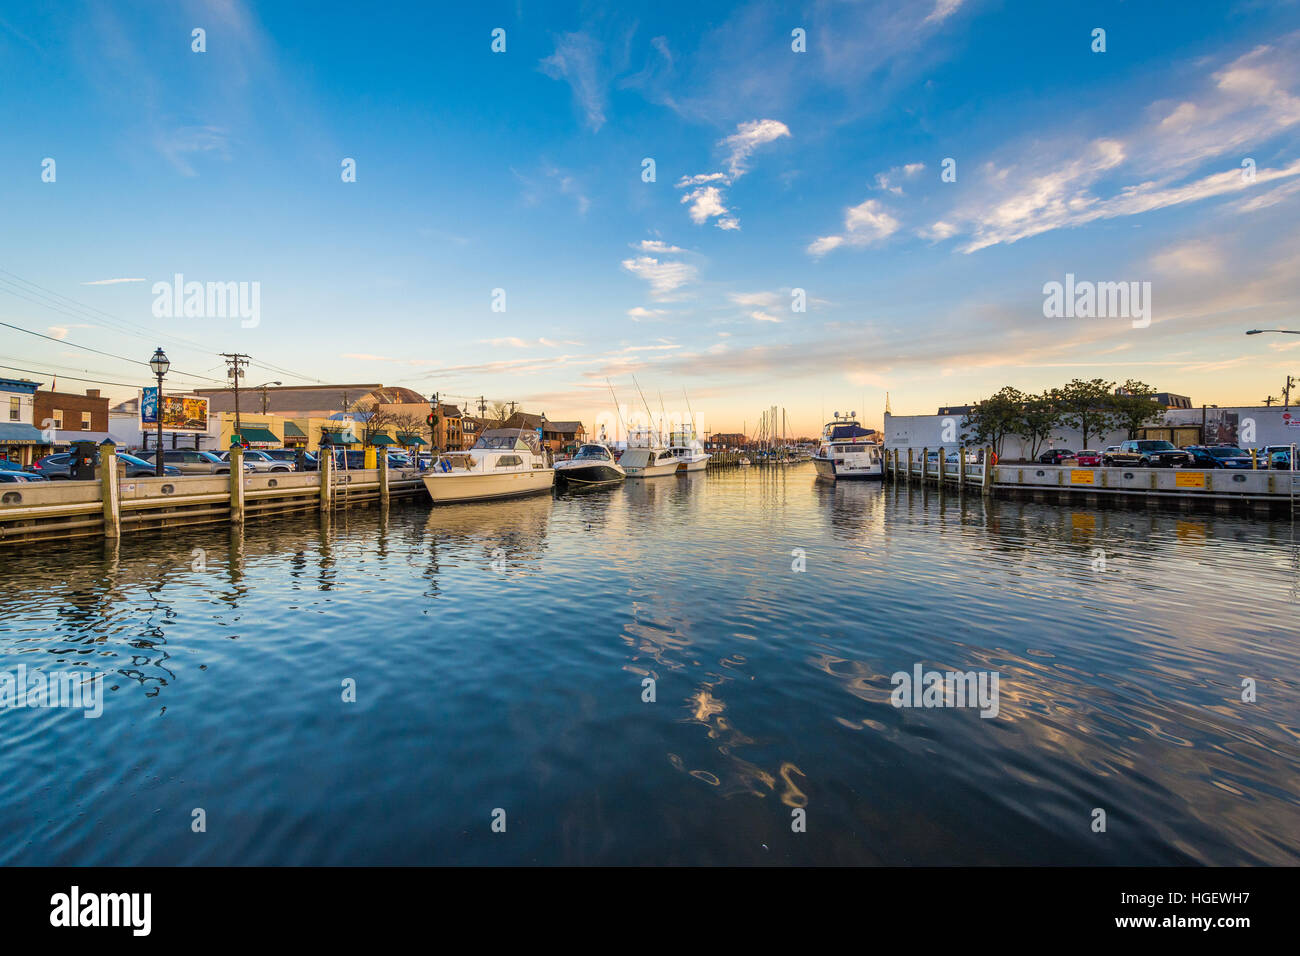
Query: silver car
x,y
260,461
192,462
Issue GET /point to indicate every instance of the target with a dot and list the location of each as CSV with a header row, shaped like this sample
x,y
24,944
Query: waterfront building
x,y
20,439
71,416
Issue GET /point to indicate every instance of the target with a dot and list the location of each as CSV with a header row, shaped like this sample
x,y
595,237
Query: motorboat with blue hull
x,y
849,452
593,464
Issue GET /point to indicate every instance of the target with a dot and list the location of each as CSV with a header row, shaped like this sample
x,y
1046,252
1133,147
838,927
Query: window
x,y
15,408
509,461
85,421
57,415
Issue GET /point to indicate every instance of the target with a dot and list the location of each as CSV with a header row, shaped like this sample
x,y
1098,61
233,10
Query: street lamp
x,y
264,386
160,365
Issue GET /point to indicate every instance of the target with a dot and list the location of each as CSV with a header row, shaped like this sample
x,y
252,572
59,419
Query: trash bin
x,y
85,455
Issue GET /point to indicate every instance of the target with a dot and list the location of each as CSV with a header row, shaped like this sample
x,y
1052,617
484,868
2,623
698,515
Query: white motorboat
x,y
504,463
849,452
647,457
688,451
593,464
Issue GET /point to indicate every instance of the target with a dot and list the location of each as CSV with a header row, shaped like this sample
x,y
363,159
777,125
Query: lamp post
x,y
160,365
264,386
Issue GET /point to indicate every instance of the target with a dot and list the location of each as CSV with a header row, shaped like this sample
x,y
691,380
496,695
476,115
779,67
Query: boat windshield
x,y
592,453
507,439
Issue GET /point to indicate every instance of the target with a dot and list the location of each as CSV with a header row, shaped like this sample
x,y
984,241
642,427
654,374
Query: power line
x,y
87,348
92,381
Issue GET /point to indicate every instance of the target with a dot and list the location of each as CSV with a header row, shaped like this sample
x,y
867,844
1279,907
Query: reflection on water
x,y
499,653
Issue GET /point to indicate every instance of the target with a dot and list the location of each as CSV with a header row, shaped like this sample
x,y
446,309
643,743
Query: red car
x,y
1089,459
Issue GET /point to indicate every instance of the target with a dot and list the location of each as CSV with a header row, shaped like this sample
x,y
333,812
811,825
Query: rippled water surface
x,y
499,653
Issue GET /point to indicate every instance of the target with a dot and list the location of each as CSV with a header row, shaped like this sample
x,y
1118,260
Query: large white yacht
x,y
848,451
504,463
688,451
593,464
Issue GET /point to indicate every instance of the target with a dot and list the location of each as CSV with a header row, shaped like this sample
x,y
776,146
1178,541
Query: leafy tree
x,y
993,419
1039,417
1136,407
1089,407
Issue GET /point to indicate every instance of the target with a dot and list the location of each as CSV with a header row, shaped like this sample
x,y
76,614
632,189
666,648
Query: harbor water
x,y
689,670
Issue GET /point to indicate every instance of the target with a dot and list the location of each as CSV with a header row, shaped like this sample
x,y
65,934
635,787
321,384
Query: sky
x,y
914,175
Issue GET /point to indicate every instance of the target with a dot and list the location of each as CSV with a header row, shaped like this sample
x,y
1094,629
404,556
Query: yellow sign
x,y
1081,477
1189,479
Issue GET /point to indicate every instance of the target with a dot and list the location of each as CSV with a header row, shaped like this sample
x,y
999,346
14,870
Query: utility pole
x,y
482,406
434,408
237,361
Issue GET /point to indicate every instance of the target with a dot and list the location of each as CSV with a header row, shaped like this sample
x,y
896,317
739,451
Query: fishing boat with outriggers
x,y
504,463
849,452
647,457
593,465
689,452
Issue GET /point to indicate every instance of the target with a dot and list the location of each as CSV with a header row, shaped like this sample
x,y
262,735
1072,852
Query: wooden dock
x,y
1266,490
112,505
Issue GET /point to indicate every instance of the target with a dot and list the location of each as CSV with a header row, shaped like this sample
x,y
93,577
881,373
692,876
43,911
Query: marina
x,y
477,688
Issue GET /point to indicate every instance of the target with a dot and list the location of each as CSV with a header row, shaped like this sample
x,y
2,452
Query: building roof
x,y
18,385
449,411
524,420
309,401
564,428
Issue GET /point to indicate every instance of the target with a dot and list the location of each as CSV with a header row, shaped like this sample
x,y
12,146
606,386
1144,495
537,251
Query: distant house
x,y
20,440
725,440
558,436
451,428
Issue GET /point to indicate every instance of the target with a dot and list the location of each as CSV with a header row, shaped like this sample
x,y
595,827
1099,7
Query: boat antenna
x,y
617,411
645,403
689,411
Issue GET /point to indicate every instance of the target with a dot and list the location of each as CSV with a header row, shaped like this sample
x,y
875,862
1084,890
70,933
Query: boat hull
x,y
658,470
696,465
452,488
826,469
596,474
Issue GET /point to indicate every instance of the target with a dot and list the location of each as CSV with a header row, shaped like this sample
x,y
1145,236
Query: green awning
x,y
340,436
293,431
381,439
411,440
17,433
249,433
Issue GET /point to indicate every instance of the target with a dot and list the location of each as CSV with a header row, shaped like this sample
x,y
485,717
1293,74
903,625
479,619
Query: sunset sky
x,y
775,170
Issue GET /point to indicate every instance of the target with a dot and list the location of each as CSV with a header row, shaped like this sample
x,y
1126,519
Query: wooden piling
x,y
110,489
236,485
383,478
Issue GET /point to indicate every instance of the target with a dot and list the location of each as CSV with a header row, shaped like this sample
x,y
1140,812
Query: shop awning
x,y
339,436
381,439
293,431
251,434
17,433
411,441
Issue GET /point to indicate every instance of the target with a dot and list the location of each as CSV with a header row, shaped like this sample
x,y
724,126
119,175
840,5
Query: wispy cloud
x,y
577,60
706,196
664,277
864,224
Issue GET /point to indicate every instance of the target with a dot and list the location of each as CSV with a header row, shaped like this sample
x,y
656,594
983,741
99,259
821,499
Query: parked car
x,y
1148,453
349,460
290,455
1220,456
192,462
1054,456
1088,458
8,467
139,468
1277,456
260,461
59,467
19,477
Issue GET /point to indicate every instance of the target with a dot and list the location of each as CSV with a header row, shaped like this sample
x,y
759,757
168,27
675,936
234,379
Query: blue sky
x,y
775,170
